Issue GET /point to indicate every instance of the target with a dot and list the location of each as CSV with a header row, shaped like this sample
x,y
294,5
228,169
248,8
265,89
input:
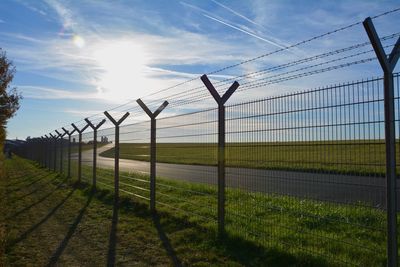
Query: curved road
x,y
319,186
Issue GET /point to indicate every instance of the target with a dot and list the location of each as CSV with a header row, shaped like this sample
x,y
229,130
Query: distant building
x,y
104,140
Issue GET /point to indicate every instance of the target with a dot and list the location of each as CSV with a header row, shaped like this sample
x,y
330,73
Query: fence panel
x,y
74,155
87,156
134,157
187,164
105,165
64,144
306,173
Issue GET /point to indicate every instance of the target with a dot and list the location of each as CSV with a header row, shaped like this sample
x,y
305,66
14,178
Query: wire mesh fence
x,y
186,150
87,157
65,155
307,169
134,145
104,175
305,173
74,155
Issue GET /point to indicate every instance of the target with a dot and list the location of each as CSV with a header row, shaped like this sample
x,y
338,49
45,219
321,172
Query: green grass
x,y
75,147
3,208
312,233
350,157
51,219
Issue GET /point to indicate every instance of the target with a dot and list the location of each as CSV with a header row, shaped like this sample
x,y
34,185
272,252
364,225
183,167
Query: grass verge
x,y
311,233
52,221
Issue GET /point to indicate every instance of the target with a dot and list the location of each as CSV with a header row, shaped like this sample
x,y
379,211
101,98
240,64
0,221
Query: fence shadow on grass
x,y
36,202
165,241
57,254
245,252
112,243
19,185
42,221
37,188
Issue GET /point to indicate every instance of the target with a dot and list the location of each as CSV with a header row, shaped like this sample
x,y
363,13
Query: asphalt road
x,y
318,186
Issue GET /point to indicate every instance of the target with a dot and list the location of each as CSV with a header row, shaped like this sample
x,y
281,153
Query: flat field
x,y
50,219
293,231
350,157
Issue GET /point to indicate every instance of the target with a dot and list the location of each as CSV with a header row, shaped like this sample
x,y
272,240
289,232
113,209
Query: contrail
x,y
237,13
211,16
244,31
195,7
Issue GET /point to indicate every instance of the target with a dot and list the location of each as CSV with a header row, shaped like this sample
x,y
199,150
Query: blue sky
x,y
77,58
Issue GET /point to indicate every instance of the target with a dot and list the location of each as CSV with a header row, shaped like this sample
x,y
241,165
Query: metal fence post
x,y
44,155
46,152
54,150
116,152
95,128
80,150
42,151
221,146
388,64
58,137
61,149
69,150
153,153
47,159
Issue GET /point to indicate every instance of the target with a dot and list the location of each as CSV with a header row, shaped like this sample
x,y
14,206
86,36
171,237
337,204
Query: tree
x,y
9,97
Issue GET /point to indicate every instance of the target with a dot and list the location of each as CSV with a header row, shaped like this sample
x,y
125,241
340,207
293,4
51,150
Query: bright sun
x,y
122,65
78,41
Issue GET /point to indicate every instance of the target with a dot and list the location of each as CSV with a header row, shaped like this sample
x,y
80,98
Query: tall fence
x,y
311,173
305,172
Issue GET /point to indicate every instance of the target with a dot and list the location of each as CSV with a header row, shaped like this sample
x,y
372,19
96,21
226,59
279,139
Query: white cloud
x,y
38,92
29,4
21,37
119,65
106,60
84,113
64,14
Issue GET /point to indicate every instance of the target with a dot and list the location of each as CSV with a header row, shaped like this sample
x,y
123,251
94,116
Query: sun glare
x,y
78,41
122,65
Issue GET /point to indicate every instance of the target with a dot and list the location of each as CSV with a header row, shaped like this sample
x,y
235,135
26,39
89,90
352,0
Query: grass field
x,y
287,229
350,157
3,208
50,220
75,147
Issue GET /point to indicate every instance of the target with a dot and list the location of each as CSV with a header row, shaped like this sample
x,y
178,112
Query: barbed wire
x,y
254,74
195,97
243,76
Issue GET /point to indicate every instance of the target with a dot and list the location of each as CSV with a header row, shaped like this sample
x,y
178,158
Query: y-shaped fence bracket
x,y
153,116
80,150
116,153
69,149
388,64
95,128
221,146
